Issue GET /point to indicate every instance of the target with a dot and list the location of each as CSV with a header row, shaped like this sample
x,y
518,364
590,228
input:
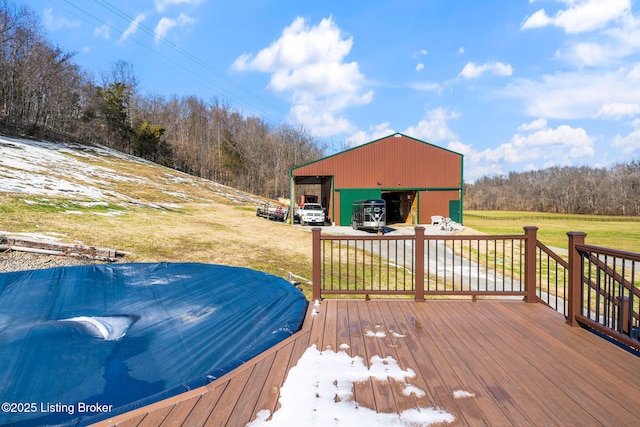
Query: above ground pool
x,y
81,344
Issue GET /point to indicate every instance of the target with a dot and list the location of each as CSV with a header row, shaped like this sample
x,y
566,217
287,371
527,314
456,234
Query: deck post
x,y
530,286
419,264
574,287
315,263
624,310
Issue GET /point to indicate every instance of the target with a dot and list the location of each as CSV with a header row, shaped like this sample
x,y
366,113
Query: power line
x,y
250,98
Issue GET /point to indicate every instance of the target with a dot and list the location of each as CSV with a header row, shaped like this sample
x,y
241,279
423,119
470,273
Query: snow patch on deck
x,y
319,392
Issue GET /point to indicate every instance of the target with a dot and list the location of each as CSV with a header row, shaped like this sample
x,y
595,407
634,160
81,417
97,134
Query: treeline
x,y
579,190
45,95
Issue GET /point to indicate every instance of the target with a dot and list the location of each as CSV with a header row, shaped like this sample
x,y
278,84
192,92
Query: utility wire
x,y
252,96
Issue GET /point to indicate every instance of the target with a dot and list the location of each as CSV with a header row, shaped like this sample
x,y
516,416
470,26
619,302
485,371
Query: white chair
x,y
436,219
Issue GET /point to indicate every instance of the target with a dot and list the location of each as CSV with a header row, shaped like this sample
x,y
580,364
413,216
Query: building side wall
x,y
436,203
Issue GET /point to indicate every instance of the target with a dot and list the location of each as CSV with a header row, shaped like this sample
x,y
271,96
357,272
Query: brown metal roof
x,y
396,161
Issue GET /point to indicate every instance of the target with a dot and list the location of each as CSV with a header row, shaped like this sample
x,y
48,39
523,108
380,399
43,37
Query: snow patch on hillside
x,y
48,169
83,172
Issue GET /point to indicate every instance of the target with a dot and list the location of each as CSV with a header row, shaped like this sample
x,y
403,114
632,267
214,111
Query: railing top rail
x,y
426,237
552,254
476,237
351,237
631,256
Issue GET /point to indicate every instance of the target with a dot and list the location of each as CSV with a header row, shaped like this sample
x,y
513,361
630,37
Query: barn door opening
x,y
400,206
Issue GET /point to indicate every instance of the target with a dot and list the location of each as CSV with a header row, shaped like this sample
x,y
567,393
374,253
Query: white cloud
x,y
604,47
580,15
102,31
634,73
629,143
434,128
461,148
133,27
625,38
309,62
162,5
375,132
576,95
589,54
471,70
54,23
617,110
534,125
537,20
536,146
563,143
461,50
322,122
166,24
426,86
420,66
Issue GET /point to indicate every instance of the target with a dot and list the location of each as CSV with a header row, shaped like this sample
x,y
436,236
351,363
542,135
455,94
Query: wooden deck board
x,y
363,392
456,373
155,418
577,375
270,391
246,403
389,347
521,362
497,359
427,378
407,354
202,409
179,412
329,338
220,416
385,401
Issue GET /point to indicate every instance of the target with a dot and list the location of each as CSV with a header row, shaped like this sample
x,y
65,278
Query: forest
x,y
43,94
580,190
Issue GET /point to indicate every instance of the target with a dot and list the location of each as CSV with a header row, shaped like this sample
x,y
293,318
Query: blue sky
x,y
514,85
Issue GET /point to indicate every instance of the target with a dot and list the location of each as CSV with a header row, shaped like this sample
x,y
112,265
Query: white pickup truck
x,y
311,213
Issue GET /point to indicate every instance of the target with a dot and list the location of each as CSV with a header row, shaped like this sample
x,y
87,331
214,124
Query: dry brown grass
x,y
211,233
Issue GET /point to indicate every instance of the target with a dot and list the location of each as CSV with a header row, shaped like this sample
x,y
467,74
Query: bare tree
x,y
581,190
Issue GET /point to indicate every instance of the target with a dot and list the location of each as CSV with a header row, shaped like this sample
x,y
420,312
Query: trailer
x,y
369,215
274,213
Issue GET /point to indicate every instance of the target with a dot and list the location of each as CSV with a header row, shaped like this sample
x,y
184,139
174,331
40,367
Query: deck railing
x,y
606,296
552,278
592,286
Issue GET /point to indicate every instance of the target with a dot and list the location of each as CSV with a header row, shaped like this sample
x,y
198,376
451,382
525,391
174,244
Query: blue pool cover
x,y
81,344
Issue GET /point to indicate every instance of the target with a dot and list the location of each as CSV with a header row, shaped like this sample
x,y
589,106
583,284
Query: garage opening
x,y
401,207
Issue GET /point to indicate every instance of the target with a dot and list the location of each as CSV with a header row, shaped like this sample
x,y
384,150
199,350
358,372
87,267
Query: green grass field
x,y
612,232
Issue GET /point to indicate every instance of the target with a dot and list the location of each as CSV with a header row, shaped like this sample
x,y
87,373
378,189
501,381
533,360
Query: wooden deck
x,y
517,364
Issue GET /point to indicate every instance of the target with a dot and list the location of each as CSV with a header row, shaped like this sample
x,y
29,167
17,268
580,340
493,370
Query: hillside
x,y
101,197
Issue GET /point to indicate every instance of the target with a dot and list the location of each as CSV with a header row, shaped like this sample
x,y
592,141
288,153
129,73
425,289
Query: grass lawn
x,y
612,232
